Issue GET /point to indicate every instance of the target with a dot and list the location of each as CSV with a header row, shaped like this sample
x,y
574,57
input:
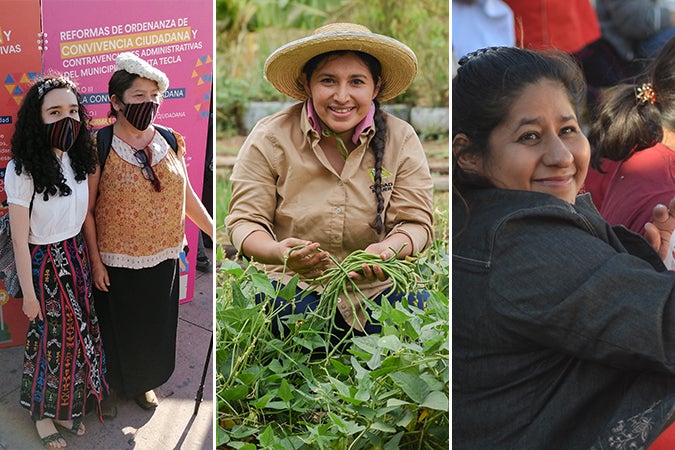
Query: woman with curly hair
x,y
48,194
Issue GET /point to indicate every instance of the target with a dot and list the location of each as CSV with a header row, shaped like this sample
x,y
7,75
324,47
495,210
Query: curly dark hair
x,y
32,152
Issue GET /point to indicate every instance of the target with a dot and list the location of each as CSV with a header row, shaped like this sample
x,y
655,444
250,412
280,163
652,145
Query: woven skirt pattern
x,y
63,360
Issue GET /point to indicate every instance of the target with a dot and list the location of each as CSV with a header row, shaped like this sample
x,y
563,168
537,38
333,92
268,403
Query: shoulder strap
x,y
167,134
104,141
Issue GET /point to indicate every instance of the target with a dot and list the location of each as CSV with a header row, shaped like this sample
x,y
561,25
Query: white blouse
x,y
55,220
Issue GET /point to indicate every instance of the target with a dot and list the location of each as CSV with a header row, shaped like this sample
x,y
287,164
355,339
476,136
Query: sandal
x,y
147,400
48,440
76,427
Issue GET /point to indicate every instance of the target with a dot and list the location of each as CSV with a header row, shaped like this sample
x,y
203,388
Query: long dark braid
x,y
377,144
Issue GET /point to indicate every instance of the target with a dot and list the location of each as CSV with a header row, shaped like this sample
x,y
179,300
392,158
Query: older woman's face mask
x,y
539,146
141,115
141,102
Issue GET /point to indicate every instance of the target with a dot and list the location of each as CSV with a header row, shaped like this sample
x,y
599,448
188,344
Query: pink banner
x,y
175,36
20,62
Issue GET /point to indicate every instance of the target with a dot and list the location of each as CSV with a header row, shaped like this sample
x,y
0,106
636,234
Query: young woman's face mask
x,y
140,115
63,133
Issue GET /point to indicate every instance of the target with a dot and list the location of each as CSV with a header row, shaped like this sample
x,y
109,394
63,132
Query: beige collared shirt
x,y
282,183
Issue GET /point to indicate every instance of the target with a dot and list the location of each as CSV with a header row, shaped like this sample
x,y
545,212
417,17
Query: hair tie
x,y
477,54
646,94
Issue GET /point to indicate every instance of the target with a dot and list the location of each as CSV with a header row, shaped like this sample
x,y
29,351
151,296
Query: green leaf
x,y
288,292
284,392
375,361
437,400
231,267
367,343
413,386
396,402
278,405
221,436
380,426
392,343
405,420
263,401
236,393
364,390
263,284
267,438
341,368
347,427
360,371
239,300
342,388
393,443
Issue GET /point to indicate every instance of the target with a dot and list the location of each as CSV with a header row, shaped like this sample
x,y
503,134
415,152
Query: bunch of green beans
x,y
336,281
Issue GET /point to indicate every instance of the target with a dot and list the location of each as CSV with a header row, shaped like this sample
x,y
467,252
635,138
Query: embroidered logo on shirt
x,y
386,175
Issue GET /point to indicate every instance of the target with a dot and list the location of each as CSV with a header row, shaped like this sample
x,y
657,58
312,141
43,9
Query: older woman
x,y
139,199
563,332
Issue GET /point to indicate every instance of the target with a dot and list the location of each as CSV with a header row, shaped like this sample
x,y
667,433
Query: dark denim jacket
x,y
563,331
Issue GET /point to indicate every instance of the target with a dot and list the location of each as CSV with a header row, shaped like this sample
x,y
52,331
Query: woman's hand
x,y
99,276
303,257
374,272
31,307
659,231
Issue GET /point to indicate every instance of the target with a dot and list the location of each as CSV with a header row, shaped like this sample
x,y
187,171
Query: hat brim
x,y
283,68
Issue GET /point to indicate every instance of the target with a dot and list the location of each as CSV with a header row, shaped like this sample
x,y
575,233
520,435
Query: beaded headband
x,y
47,85
645,94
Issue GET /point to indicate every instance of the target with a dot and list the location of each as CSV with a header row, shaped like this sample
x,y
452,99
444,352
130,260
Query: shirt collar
x,y
362,126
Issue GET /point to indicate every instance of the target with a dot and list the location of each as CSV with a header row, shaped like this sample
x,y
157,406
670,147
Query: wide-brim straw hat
x,y
283,67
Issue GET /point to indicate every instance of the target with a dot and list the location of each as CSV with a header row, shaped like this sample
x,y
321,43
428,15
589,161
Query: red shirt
x,y
568,25
641,182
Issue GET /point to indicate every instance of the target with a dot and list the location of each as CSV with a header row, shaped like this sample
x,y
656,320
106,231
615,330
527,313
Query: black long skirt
x,y
139,318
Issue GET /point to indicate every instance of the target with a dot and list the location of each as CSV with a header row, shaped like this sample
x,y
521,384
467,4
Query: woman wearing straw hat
x,y
334,173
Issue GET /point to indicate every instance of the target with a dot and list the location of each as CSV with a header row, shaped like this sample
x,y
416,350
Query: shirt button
x,y
348,313
340,183
338,210
339,300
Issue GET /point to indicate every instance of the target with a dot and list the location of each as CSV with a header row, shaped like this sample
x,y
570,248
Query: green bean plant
x,y
380,391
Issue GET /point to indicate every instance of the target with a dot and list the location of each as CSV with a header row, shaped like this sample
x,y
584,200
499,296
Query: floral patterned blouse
x,y
137,226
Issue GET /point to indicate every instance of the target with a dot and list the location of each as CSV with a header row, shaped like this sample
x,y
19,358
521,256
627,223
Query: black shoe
x,y
203,264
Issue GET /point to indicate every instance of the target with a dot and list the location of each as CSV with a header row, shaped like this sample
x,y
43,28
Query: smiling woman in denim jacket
x,y
563,327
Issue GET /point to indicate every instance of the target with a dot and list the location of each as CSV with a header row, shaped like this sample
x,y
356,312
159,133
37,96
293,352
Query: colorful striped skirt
x,y
64,361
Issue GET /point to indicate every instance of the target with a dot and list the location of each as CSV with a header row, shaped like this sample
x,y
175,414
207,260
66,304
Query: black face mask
x,y
62,133
141,115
